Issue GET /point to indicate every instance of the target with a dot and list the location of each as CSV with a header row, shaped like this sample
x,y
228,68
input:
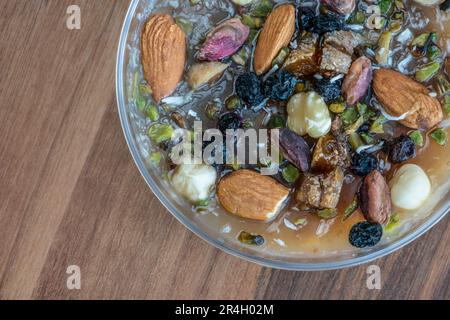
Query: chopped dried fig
x,y
329,154
321,191
303,61
250,195
357,80
295,149
225,40
375,198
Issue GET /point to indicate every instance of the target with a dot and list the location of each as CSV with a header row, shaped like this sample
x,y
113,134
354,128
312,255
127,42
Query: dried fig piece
x,y
225,40
304,61
329,154
343,7
295,149
357,80
375,198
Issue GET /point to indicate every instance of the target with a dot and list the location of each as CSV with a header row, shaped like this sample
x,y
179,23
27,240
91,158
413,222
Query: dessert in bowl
x,y
355,94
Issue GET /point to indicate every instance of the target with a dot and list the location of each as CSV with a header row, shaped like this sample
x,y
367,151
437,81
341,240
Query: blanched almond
x,y
250,195
276,34
163,47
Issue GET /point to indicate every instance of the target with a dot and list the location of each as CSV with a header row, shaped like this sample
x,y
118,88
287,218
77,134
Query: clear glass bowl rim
x,y
124,120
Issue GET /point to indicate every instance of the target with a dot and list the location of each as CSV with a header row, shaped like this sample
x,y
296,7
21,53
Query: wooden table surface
x,y
70,193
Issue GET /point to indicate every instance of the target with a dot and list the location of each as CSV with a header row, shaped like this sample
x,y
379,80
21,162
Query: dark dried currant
x,y
248,87
403,148
328,22
229,120
330,89
363,164
365,234
280,86
445,5
307,17
250,239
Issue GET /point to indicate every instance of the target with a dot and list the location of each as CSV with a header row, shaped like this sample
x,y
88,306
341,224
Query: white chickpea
x,y
410,187
194,181
308,114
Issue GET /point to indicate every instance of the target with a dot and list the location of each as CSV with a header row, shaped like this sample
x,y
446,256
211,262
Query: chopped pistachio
x,y
145,89
355,141
140,103
420,40
233,103
393,223
250,239
428,71
337,107
384,48
440,136
367,138
349,116
262,8
365,111
300,87
396,26
202,203
194,1
252,22
355,126
447,105
357,18
327,213
399,4
434,52
241,57
301,222
386,7
152,113
155,158
247,124
212,111
417,137
290,173
281,57
378,125
184,24
160,132
351,208
276,122
443,86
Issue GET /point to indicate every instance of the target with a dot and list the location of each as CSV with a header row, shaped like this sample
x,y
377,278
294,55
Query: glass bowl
x,y
134,124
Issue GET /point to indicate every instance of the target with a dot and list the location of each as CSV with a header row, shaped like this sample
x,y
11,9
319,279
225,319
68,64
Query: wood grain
x,y
70,193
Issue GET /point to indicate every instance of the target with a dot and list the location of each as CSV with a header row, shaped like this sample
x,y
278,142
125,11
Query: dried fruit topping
x,y
276,34
329,154
375,198
251,239
295,149
365,234
402,149
357,80
308,114
440,136
248,87
225,40
162,38
280,86
290,173
410,187
344,7
202,73
250,195
363,164
326,22
401,95
321,191
304,61
229,121
329,88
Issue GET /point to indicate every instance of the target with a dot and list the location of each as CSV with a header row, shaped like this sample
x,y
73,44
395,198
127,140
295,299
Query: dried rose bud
x,y
344,7
357,80
224,41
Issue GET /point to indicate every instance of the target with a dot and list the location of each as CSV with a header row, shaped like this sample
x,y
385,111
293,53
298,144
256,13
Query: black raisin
x,y
445,5
403,148
251,239
249,88
307,17
280,86
327,22
229,120
363,164
365,234
330,89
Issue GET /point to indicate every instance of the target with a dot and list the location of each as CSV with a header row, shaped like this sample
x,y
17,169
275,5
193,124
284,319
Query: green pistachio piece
x,y
351,208
378,125
141,103
212,111
443,86
185,25
327,213
386,7
420,40
417,137
367,138
160,132
300,87
357,18
384,48
152,113
355,141
262,8
447,105
355,126
428,71
233,103
349,116
252,22
250,239
434,52
301,222
241,57
276,122
155,158
281,57
440,136
393,223
290,173
337,107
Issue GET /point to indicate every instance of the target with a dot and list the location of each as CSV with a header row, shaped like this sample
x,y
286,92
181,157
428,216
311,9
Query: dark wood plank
x,y
71,195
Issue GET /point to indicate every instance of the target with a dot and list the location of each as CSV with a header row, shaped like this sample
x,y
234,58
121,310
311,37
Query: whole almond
x,y
250,195
401,95
276,34
163,47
